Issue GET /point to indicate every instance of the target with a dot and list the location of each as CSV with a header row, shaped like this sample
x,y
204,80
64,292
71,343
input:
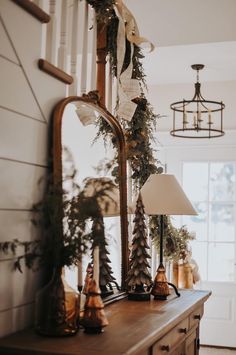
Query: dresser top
x,y
133,326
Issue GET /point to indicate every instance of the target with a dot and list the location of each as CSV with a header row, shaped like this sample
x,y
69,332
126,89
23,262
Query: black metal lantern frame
x,y
194,118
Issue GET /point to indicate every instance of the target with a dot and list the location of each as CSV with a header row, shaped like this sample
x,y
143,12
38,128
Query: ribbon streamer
x,y
128,88
132,31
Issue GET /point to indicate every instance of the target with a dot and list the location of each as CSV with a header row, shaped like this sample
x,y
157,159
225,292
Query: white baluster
x,y
51,46
94,54
74,47
93,51
84,59
62,51
44,5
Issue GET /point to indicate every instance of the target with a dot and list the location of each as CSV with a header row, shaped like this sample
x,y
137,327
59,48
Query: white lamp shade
x,y
163,195
110,202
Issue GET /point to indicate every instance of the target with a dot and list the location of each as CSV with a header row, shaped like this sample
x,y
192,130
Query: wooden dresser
x,y
141,328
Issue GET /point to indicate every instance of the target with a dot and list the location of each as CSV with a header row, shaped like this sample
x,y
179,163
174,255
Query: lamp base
x,y
93,330
160,297
160,289
139,296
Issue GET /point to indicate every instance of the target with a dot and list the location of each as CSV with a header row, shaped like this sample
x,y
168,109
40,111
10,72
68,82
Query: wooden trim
x,y
34,10
54,71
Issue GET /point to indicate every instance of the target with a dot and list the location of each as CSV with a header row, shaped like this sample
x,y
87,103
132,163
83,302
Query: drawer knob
x,y
183,330
197,316
165,348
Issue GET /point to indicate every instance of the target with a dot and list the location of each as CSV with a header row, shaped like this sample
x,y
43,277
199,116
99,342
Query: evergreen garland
x,y
112,30
104,10
138,72
138,138
139,131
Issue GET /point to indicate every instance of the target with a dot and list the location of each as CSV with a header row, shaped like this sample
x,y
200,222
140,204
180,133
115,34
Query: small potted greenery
x,y
176,249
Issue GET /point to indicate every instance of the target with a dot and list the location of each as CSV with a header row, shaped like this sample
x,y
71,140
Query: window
x,y
211,188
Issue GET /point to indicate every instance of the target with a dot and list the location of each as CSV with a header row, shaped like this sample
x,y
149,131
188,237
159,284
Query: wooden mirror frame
x,y
118,132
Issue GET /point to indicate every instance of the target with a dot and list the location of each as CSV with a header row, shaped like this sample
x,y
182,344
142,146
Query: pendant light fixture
x,y
197,118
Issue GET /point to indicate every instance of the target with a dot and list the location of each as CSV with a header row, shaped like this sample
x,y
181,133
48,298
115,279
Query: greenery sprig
x,y
31,253
175,240
63,238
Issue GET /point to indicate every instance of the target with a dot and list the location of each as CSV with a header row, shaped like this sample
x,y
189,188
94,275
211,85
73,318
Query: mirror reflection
x,y
84,158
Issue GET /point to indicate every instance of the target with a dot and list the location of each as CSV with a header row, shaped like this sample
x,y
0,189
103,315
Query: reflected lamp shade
x,y
163,195
109,202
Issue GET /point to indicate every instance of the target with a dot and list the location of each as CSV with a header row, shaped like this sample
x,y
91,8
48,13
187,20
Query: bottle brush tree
x,y
105,270
139,277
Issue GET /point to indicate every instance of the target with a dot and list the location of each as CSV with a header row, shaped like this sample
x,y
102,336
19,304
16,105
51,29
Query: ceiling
x,y
172,65
187,32
184,34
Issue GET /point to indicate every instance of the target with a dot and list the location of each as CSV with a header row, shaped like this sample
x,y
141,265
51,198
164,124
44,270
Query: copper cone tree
x,y
139,276
94,319
105,270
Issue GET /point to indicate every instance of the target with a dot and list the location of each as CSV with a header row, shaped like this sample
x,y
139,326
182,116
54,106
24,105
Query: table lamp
x,y
162,195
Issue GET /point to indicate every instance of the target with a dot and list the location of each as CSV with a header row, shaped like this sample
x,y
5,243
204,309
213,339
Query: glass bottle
x,y
56,308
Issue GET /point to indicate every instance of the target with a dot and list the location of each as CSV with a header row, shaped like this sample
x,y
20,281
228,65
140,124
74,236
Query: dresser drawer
x,y
166,344
195,317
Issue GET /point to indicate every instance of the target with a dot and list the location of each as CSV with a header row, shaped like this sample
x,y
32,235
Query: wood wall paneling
x,y
6,49
16,93
17,288
23,139
27,45
26,102
16,319
17,224
20,186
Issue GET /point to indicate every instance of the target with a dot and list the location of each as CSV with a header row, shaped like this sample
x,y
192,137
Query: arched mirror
x,y
74,133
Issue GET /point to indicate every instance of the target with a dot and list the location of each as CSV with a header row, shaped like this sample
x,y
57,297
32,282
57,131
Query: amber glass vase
x,y
56,308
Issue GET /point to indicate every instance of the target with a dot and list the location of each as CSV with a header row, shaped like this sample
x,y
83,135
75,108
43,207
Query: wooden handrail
x,y
57,73
33,9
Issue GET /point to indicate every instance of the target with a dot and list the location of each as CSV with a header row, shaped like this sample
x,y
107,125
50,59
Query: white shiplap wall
x,y
27,98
